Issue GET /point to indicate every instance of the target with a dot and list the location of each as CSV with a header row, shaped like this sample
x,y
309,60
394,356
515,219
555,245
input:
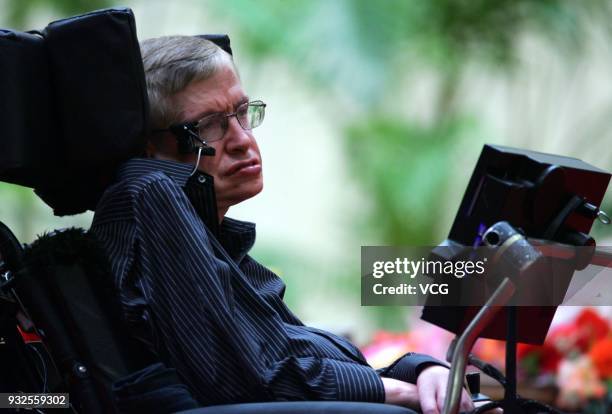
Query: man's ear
x,y
163,148
151,149
157,147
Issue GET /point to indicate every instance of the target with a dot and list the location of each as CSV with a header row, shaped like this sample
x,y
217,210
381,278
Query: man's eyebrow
x,y
241,101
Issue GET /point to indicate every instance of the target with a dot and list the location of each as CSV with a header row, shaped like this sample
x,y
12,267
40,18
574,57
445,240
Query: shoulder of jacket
x,y
120,201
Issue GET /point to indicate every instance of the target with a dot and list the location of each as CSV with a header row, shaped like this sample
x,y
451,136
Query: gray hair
x,y
171,63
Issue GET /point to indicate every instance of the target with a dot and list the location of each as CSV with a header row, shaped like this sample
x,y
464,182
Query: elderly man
x,y
188,287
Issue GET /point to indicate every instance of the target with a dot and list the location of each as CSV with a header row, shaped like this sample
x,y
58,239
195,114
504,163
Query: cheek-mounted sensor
x,y
189,141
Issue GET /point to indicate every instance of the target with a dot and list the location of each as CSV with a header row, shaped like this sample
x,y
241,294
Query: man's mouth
x,y
251,166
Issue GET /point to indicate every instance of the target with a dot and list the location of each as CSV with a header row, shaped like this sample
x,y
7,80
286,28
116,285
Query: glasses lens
x,y
255,114
242,113
211,128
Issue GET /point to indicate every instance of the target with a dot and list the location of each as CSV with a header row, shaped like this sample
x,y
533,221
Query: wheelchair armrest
x,y
303,407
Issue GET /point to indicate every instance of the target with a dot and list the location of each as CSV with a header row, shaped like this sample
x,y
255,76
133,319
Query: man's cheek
x,y
208,165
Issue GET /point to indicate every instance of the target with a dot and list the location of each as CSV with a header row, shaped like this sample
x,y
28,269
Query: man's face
x,y
236,165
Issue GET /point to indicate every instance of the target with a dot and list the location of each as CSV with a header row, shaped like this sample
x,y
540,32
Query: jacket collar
x,y
237,237
136,167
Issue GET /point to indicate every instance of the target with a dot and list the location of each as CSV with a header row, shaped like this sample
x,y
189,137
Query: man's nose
x,y
237,139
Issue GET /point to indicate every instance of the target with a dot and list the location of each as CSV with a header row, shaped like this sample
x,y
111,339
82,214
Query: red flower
x,y
564,338
546,355
550,358
588,332
592,328
601,355
524,350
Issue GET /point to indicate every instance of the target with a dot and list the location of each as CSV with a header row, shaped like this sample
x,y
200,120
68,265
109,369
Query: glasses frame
x,y
192,127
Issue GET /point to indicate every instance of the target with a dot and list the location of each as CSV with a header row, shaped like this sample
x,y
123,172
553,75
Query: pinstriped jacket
x,y
205,307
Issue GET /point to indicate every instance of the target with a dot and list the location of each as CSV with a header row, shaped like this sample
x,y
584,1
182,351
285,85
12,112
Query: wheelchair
x,y
74,106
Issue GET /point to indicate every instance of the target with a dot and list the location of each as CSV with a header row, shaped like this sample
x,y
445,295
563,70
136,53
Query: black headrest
x,y
221,40
73,106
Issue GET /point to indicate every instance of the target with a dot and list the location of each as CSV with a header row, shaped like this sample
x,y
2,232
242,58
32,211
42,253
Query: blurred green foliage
x,y
18,11
446,34
403,169
399,161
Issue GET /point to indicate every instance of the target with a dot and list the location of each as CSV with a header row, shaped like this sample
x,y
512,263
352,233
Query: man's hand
x,y
429,393
400,393
431,388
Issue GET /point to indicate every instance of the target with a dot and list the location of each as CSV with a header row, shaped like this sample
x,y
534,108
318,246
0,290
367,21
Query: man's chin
x,y
257,187
241,194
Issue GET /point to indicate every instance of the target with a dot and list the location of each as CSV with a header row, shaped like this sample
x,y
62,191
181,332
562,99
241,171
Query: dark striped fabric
x,y
208,309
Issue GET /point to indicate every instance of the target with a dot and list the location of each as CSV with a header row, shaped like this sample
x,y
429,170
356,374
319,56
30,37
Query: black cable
x,y
44,366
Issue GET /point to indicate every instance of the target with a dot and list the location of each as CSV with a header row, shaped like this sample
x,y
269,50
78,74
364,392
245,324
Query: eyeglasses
x,y
213,127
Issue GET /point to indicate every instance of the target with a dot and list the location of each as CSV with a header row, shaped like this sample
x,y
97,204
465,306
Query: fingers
x,y
429,405
429,395
466,402
441,396
432,384
400,393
